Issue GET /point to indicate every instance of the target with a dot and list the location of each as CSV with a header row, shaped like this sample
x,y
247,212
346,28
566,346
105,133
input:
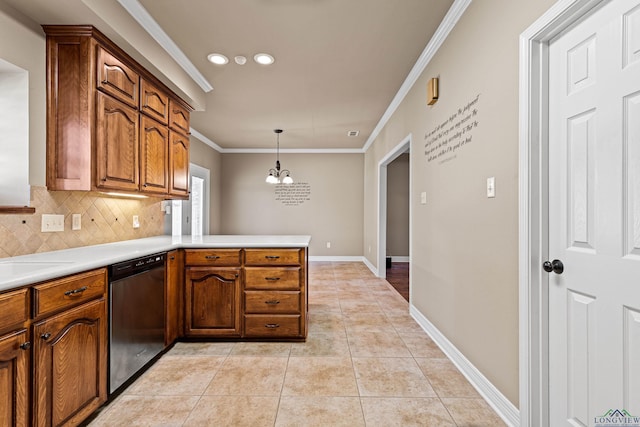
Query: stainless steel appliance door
x,y
137,323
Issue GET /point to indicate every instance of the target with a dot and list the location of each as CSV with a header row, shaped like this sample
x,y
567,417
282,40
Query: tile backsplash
x,y
103,220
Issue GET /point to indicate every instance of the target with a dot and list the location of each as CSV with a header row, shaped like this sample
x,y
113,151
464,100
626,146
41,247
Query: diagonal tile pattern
x,y
365,363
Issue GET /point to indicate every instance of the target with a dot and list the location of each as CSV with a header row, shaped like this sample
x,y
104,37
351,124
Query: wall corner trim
x,y
202,138
503,407
448,23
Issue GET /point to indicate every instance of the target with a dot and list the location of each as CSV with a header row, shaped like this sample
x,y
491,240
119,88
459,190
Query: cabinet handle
x,y
172,258
271,256
211,257
271,325
75,291
272,302
25,345
45,336
272,279
103,179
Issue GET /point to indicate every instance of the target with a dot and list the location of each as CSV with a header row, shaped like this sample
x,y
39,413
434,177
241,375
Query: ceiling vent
x,y
353,133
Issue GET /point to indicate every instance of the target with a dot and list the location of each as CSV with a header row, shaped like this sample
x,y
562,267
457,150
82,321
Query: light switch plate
x,y
423,198
136,221
52,223
491,187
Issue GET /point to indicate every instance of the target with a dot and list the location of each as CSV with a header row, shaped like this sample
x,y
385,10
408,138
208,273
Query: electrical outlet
x,y
52,223
76,222
136,221
423,198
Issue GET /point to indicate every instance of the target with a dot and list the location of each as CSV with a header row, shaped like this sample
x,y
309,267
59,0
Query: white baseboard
x,y
399,259
336,258
371,267
503,407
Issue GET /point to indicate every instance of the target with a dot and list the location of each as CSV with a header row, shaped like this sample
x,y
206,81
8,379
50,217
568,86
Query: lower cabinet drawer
x,y
272,277
272,302
271,326
69,291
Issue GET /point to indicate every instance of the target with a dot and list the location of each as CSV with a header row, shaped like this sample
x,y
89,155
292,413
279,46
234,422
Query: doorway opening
x,y
195,211
394,216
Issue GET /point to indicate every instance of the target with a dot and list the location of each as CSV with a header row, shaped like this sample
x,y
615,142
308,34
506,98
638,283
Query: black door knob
x,y
556,266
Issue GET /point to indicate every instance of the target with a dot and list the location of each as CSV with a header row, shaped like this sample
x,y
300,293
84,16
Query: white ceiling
x,y
339,63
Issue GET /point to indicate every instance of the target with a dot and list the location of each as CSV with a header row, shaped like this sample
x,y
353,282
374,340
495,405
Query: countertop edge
x,y
103,255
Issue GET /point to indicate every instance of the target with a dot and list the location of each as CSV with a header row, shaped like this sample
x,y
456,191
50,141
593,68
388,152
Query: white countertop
x,y
28,269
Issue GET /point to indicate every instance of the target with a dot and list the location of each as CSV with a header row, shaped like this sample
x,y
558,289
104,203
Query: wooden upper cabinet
x,y
154,102
178,164
117,79
116,145
154,156
97,100
178,118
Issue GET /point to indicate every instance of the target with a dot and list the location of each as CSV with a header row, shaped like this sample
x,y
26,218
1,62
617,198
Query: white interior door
x,y
594,217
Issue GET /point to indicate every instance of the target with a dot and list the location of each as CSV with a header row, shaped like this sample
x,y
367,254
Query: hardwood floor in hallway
x,y
366,362
398,277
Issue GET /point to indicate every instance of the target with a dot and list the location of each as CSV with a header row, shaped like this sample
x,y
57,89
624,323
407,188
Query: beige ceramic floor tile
x,y
402,321
147,411
177,375
322,344
325,322
253,376
391,377
201,349
445,378
234,411
420,345
276,349
319,412
377,344
357,306
405,412
472,412
320,376
367,322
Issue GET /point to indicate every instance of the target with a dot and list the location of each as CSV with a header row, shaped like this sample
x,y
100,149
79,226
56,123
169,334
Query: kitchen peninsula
x,y
55,310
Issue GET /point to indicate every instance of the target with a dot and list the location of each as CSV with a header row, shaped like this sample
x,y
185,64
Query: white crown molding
x,y
199,136
206,140
448,23
146,21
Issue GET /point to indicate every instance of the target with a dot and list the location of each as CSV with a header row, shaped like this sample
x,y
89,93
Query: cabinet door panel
x,y
70,364
116,145
117,79
174,296
178,118
179,165
14,380
154,156
213,301
154,102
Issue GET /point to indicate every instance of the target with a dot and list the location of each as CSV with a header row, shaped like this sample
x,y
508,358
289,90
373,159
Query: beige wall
x,y
24,46
205,156
333,213
398,207
465,246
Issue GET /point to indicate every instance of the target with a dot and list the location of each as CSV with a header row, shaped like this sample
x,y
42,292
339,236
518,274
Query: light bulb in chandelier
x,y
274,174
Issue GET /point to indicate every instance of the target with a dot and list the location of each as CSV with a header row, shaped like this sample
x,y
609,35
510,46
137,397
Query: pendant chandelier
x,y
276,173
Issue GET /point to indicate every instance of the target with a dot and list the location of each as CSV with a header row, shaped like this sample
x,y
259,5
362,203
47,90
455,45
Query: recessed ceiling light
x,y
218,58
263,58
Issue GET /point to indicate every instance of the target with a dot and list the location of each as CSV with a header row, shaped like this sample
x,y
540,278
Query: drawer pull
x,y
212,257
46,336
272,257
25,345
272,302
271,325
75,291
272,279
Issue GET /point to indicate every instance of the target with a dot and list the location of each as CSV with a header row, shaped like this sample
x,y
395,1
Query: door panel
x,y
594,216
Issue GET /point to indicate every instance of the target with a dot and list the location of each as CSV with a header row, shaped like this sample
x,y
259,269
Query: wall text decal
x,y
293,194
443,141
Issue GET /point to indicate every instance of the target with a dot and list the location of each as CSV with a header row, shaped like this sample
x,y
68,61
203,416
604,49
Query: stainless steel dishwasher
x,y
136,313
